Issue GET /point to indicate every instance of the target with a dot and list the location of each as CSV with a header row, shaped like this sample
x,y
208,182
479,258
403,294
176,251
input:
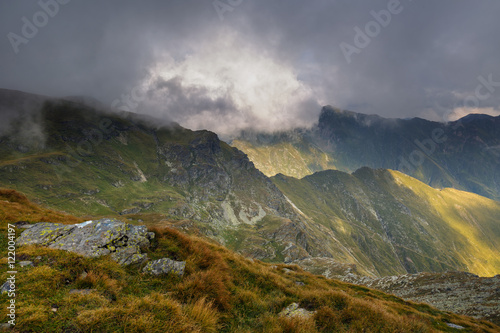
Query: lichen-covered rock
x,y
129,255
293,310
165,266
44,233
92,239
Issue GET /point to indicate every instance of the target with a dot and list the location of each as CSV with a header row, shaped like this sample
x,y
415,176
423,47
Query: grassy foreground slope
x,y
220,292
395,223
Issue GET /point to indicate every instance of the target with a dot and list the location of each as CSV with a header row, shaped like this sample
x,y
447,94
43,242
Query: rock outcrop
x,y
92,239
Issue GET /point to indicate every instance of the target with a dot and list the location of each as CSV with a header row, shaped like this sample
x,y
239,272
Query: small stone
x,y
165,266
81,291
293,310
458,327
287,271
38,258
6,287
300,283
4,327
83,275
26,263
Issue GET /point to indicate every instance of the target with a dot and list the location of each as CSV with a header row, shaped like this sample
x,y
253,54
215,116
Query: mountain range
x,y
463,154
89,161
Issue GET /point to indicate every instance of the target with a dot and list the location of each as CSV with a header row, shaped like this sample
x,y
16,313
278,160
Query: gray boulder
x,y
165,266
92,239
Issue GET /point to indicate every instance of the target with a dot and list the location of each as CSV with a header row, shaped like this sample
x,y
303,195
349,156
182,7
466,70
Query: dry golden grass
x,y
204,315
15,207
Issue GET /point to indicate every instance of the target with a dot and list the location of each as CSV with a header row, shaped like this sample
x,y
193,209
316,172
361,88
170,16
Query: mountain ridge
x,y
95,163
463,154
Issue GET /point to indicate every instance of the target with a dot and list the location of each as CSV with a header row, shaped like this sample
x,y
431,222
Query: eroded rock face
x,y
165,266
92,239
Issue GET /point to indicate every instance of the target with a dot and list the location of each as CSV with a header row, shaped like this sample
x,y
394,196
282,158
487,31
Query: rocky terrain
x,y
459,292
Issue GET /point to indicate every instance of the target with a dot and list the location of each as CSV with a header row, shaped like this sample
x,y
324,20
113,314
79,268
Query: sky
x,y
227,65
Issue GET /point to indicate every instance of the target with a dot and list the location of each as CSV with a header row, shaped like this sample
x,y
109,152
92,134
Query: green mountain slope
x,y
392,223
464,154
92,163
287,153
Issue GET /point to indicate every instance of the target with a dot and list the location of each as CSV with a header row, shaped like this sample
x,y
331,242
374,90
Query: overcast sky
x,y
232,64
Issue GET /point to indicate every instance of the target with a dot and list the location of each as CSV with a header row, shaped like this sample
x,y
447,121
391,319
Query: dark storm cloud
x,y
190,100
259,63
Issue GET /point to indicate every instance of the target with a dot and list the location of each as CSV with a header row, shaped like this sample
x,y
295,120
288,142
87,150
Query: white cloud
x,y
227,85
463,111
